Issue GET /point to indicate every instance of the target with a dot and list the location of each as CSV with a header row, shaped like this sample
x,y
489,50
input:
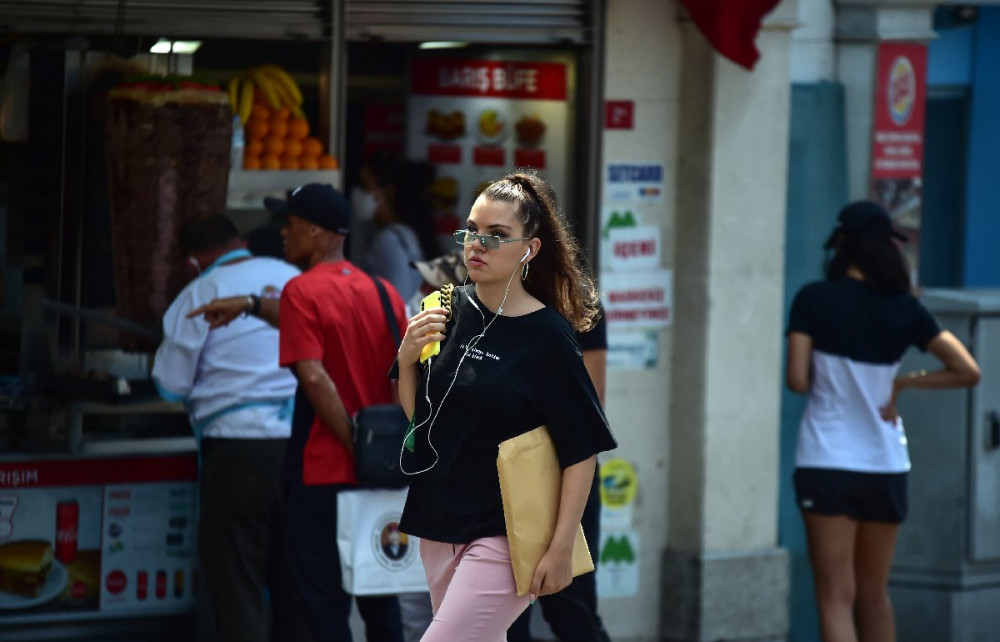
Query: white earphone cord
x,y
432,415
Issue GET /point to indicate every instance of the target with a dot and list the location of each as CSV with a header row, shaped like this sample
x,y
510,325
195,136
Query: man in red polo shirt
x,y
335,338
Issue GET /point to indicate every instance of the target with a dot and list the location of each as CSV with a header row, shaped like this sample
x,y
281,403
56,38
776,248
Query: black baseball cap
x,y
318,203
865,217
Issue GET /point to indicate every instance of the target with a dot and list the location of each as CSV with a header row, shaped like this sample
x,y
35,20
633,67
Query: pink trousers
x,y
473,594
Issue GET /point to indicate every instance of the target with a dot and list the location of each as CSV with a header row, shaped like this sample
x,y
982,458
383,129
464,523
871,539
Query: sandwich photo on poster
x,y
97,537
49,553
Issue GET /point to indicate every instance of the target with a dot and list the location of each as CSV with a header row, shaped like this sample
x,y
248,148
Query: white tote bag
x,y
375,557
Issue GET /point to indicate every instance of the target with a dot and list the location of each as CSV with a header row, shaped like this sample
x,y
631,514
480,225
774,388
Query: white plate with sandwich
x,y
29,575
492,127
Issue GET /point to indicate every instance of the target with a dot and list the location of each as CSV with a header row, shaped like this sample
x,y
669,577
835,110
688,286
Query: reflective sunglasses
x,y
465,237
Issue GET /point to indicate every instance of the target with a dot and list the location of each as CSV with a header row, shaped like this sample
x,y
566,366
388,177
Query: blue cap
x,y
318,203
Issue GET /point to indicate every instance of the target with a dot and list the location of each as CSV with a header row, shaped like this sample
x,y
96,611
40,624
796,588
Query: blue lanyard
x,y
287,408
232,255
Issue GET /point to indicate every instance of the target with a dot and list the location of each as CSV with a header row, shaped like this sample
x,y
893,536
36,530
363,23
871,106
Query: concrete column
x,y
642,65
723,575
861,26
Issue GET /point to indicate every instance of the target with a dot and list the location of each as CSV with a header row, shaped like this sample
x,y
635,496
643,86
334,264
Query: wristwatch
x,y
253,305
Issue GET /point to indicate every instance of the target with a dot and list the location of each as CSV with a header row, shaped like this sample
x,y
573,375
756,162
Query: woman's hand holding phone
x,y
425,328
429,302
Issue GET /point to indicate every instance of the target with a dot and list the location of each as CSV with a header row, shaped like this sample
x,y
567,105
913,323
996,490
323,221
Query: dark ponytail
x,y
877,257
556,276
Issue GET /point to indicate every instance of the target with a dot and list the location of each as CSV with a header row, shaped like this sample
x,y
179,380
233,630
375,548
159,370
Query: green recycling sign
x,y
618,564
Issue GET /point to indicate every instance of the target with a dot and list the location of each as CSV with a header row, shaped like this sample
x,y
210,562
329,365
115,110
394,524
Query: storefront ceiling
x,y
538,21
176,18
483,21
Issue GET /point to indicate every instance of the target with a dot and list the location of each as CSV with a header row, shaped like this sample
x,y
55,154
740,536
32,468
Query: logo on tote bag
x,y
391,547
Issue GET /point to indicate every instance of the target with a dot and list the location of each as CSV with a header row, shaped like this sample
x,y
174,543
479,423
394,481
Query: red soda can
x,y
142,585
67,527
161,584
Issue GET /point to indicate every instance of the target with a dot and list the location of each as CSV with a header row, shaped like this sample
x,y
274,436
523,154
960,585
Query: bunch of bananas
x,y
276,86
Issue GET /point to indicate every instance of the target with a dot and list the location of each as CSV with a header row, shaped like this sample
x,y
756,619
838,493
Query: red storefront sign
x,y
438,153
900,97
493,156
383,129
475,119
71,472
494,78
619,114
530,158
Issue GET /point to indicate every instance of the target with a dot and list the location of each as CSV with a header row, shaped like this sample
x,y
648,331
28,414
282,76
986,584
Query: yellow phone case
x,y
436,299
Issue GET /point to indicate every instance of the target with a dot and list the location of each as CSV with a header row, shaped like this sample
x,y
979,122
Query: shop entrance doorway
x,y
946,148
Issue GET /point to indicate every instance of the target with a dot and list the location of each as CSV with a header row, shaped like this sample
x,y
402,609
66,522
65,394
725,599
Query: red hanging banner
x,y
900,100
731,25
897,156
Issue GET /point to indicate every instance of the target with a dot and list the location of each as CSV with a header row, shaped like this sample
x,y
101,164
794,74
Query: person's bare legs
x,y
831,553
874,546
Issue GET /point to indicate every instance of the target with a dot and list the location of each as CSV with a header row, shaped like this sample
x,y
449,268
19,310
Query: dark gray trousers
x,y
242,555
311,531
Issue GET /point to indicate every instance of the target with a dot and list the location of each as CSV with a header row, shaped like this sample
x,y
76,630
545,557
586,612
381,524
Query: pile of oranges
x,y
274,139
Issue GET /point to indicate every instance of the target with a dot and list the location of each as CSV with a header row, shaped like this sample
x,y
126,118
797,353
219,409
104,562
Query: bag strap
x,y
387,308
447,290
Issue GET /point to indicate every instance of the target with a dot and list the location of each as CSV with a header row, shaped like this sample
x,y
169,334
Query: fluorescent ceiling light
x,y
443,44
164,46
186,46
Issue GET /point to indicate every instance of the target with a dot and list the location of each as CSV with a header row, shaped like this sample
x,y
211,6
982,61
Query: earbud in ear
x,y
526,253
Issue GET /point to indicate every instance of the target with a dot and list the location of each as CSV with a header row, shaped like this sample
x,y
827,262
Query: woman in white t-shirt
x,y
846,337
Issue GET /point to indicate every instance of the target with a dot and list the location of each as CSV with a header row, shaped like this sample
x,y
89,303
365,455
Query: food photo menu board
x,y
92,538
476,120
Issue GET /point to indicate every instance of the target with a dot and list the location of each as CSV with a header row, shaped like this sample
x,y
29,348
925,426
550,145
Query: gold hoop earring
x,y
524,271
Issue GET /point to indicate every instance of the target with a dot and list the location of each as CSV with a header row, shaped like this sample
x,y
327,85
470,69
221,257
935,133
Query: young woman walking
x,y
846,337
509,363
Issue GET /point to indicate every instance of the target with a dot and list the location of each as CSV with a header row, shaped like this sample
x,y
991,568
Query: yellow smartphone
x,y
429,302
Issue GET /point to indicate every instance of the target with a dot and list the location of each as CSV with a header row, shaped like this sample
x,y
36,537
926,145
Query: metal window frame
x,y
573,23
482,21
281,19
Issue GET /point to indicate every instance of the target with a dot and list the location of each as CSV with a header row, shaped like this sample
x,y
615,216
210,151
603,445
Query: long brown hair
x,y
556,277
876,256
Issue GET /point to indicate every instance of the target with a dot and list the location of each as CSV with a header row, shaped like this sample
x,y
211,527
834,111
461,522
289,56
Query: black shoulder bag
x,y
379,430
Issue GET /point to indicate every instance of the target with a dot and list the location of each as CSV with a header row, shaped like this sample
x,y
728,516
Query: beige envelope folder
x,y
530,485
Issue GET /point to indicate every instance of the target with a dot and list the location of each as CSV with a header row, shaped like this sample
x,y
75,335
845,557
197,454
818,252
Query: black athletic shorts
x,y
871,497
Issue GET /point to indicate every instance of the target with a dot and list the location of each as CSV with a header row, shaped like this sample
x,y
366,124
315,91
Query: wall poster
x,y
636,292
898,139
97,537
476,120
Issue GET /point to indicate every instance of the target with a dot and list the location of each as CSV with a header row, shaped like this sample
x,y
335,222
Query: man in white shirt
x,y
240,405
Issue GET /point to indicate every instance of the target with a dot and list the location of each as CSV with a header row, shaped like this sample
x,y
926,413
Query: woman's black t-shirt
x,y
859,337
526,371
